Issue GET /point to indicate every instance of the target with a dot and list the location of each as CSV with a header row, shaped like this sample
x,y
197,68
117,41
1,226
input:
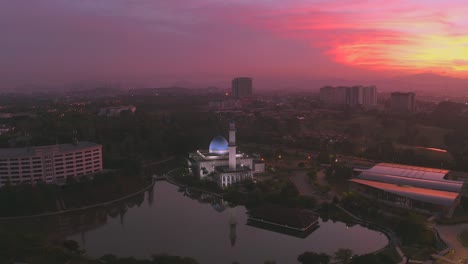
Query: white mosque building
x,y
223,163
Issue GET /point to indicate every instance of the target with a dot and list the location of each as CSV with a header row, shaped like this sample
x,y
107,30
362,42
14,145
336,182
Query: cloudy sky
x,y
161,42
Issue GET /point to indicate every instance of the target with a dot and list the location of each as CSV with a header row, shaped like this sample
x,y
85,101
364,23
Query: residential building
x,y
369,95
352,96
49,164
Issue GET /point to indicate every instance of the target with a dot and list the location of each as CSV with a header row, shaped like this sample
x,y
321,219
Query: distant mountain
x,y
425,83
175,91
95,92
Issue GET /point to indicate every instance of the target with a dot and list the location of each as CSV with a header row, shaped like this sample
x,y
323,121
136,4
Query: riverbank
x,y
389,251
81,208
174,179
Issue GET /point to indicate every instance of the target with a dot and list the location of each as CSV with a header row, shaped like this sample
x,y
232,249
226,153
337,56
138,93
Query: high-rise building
x,y
403,102
353,96
242,87
333,95
369,95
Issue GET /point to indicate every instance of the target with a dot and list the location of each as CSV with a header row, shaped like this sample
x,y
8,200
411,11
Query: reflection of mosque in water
x,y
219,205
232,226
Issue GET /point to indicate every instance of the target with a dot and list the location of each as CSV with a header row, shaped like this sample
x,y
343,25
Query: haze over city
x,y
233,131
53,44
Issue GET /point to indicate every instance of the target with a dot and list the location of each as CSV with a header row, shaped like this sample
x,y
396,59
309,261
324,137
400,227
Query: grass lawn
x,y
463,237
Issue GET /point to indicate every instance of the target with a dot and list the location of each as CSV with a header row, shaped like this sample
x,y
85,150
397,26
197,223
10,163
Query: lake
x,y
165,220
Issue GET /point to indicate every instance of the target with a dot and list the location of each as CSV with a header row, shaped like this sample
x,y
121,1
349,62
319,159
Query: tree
x,y
344,255
108,258
313,258
168,259
72,245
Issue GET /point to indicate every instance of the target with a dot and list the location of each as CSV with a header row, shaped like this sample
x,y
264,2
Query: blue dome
x,y
219,145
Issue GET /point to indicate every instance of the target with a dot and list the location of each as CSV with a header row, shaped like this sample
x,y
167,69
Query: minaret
x,y
232,226
232,145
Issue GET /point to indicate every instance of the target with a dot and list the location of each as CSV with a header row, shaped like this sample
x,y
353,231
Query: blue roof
x,y
219,145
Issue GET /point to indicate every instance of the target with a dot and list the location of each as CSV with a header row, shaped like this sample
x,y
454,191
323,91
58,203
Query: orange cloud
x,y
405,36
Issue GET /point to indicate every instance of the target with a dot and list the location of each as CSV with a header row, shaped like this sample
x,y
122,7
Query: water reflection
x,y
179,222
61,226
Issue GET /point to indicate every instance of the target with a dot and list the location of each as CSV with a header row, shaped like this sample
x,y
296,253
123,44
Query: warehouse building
x,y
421,189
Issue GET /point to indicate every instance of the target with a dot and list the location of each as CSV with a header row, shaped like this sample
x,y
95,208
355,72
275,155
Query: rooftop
x,y
420,177
31,151
226,169
202,155
420,194
409,171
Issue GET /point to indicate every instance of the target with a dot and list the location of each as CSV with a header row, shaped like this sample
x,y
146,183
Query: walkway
x,y
301,181
390,235
322,180
449,233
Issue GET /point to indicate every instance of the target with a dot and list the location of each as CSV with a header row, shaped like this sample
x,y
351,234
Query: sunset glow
x,y
148,40
411,36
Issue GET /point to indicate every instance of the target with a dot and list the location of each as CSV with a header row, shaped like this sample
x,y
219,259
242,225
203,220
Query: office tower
x,y
242,87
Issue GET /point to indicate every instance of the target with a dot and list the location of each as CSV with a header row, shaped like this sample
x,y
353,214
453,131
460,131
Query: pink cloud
x,y
144,40
380,35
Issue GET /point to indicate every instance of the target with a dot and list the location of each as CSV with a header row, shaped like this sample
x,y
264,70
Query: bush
x,y
313,258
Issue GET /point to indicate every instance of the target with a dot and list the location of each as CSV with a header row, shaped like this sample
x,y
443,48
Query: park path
x,y
449,233
301,181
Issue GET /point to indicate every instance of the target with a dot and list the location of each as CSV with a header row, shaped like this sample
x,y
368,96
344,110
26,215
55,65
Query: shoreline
x,y
81,208
170,180
392,241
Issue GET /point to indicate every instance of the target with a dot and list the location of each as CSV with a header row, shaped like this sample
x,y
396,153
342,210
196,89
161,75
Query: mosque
x,y
222,163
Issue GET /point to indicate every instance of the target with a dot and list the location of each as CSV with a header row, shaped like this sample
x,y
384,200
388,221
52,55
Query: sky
x,y
166,42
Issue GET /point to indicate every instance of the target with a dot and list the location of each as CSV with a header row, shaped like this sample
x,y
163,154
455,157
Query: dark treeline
x,y
373,139
139,134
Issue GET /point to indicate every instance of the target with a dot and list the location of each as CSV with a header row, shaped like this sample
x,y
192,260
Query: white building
x,y
353,96
50,164
223,163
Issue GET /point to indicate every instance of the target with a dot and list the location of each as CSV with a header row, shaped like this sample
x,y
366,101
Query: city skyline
x,y
166,42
